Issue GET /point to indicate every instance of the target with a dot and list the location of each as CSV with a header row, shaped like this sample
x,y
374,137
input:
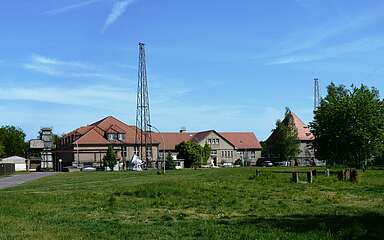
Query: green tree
x,y
169,162
2,151
264,148
191,152
349,125
284,140
110,159
206,154
13,141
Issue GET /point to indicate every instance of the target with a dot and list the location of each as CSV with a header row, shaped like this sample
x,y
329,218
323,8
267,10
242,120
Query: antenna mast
x,y
316,94
143,139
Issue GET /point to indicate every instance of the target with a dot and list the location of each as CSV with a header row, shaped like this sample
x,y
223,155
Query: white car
x,y
228,165
89,169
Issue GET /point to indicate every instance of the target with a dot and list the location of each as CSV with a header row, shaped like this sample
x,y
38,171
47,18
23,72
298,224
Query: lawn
x,y
193,204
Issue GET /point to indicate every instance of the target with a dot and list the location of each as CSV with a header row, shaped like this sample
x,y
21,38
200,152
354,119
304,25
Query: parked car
x,y
283,164
267,164
89,169
228,165
320,163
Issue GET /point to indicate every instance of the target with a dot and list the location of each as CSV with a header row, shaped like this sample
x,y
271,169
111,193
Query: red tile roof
x,y
93,133
200,136
303,132
92,137
242,140
171,139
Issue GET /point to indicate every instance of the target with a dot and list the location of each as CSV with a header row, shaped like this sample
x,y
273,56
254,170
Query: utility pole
x,y
143,139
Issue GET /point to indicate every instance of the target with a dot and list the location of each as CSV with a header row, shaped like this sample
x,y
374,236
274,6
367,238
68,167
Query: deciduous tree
x,y
13,141
349,125
192,153
2,151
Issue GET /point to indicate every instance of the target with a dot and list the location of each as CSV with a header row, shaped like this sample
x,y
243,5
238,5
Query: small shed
x,y
20,163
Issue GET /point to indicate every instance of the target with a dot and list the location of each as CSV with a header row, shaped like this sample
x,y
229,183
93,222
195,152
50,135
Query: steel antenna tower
x,y
143,139
316,94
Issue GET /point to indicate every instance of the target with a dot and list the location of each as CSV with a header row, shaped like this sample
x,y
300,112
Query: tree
x,y
2,151
13,141
349,125
284,140
264,148
169,162
191,152
110,158
206,154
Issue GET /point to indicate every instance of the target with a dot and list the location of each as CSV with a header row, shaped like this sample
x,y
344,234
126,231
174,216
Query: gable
x,y
207,137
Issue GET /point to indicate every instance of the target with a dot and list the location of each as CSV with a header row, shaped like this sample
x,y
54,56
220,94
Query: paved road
x,y
6,182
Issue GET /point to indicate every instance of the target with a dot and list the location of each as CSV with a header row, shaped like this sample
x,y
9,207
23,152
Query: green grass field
x,y
193,204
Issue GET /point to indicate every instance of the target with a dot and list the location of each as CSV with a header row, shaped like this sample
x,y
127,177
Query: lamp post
x,y
78,157
149,125
60,168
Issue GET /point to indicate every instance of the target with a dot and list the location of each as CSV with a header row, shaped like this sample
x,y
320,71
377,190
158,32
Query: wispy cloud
x,y
96,96
72,69
118,9
70,7
327,40
322,53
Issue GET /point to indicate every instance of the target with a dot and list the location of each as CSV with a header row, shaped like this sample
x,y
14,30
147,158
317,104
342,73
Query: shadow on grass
x,y
368,226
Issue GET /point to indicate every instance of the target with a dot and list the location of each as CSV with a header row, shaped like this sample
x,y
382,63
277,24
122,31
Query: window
x,y
136,150
125,152
112,136
209,141
216,141
121,136
213,152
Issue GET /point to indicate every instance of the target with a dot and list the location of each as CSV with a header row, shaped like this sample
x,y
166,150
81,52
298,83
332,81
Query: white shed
x,y
20,163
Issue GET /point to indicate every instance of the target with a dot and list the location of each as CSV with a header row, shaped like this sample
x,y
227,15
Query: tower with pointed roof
x,y
304,136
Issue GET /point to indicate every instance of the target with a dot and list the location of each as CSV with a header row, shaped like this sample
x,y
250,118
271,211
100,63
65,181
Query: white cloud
x,y
317,54
95,96
118,9
70,7
71,69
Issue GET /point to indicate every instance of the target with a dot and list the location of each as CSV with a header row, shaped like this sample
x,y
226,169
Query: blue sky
x,y
219,64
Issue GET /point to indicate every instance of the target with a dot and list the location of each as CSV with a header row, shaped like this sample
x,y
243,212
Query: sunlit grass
x,y
193,204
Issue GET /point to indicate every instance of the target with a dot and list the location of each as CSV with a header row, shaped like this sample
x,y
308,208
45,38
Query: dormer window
x,y
112,136
121,136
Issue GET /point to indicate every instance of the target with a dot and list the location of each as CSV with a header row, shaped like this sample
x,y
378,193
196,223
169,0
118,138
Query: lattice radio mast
x,y
143,139
316,94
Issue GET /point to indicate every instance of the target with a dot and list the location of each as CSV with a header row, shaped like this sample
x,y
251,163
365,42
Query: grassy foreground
x,y
193,204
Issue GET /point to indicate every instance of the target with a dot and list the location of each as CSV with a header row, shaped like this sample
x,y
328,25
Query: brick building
x,y
87,145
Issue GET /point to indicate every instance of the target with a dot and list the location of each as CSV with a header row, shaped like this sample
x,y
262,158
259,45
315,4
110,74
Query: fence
x,y
7,169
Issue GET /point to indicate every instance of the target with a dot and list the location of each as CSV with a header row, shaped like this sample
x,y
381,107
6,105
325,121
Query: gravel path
x,y
14,180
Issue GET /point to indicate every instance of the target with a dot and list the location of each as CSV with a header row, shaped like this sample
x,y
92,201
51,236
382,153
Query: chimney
x,y
183,129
